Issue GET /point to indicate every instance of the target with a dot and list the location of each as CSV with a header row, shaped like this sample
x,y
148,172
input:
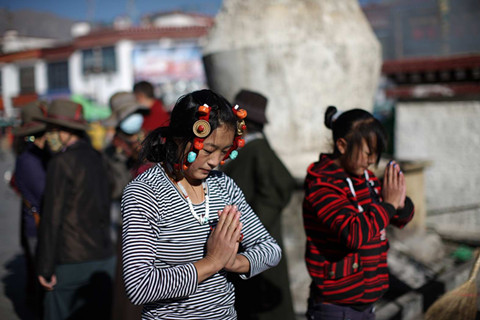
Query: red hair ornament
x,y
201,129
238,142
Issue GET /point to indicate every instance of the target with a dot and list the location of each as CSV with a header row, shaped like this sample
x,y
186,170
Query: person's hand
x,y
222,245
394,189
48,285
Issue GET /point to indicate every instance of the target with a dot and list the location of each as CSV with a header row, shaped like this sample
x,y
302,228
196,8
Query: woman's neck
x,y
182,178
194,189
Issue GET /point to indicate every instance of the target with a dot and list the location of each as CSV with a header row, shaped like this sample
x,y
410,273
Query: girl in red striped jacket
x,y
345,211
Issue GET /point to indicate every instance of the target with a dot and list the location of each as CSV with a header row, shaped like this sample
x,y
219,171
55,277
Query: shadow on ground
x,y
14,284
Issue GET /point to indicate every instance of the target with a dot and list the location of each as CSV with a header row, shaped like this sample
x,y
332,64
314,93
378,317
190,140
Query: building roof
x,y
431,64
56,53
197,18
104,37
451,77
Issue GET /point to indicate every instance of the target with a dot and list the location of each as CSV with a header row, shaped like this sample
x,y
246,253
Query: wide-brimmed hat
x,y
122,104
65,113
28,114
254,103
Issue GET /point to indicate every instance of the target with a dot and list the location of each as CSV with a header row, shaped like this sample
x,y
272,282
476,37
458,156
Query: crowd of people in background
x,y
199,235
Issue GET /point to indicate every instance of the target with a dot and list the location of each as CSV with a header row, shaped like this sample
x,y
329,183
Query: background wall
x,y
448,133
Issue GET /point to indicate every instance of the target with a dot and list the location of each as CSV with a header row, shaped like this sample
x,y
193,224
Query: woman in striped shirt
x,y
185,225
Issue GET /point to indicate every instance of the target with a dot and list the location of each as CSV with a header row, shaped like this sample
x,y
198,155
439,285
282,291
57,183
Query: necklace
x,y
202,219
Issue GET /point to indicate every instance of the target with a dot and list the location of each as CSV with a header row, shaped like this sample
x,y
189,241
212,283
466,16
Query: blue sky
x,y
106,10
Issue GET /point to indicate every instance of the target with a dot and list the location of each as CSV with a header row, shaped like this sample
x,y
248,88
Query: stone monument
x,y
303,55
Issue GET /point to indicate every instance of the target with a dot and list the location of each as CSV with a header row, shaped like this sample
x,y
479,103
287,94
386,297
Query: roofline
x,y
431,64
187,13
106,37
55,53
21,55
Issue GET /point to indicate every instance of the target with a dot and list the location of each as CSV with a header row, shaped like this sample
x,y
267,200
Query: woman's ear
x,y
342,145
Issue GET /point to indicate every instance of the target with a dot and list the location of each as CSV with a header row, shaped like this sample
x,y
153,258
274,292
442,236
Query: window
x,y
99,60
27,80
58,76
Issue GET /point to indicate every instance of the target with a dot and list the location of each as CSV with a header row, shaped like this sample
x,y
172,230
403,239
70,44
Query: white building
x,y
101,62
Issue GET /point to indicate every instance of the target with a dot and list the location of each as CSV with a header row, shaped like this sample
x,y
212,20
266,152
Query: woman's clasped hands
x,y
394,189
222,246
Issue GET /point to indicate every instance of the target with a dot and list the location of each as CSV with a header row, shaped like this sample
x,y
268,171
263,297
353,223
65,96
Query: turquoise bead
x,y
233,154
191,156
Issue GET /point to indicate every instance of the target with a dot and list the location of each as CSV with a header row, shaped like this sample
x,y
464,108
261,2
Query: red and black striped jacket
x,y
346,252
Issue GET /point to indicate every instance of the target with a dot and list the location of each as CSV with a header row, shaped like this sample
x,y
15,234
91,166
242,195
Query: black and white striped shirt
x,y
161,240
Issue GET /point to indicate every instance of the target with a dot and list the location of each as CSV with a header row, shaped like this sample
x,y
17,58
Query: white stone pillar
x,y
303,55
11,86
41,78
75,72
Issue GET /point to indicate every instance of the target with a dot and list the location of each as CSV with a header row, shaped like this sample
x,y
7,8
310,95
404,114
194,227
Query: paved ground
x,y
12,270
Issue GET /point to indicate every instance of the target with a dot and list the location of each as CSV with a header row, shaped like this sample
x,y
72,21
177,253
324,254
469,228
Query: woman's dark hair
x,y
163,143
354,126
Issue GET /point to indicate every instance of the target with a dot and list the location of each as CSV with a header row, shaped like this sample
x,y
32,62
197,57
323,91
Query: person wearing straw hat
x,y
267,186
75,260
122,152
29,181
122,155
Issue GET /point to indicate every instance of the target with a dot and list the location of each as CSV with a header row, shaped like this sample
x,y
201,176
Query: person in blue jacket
x,y
29,181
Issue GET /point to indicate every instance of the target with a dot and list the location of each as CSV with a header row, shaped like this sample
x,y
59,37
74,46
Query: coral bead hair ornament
x,y
201,129
238,142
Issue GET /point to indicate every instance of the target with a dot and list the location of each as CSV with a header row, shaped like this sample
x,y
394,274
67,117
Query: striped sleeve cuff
x,y
257,263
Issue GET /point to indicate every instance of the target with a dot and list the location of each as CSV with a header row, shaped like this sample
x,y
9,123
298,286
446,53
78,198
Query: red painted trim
x,y
23,99
58,53
22,55
430,64
105,37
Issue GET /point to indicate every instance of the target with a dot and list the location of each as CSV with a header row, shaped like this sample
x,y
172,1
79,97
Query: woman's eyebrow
x,y
215,146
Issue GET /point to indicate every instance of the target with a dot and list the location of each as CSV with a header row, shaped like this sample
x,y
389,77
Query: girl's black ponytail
x,y
329,113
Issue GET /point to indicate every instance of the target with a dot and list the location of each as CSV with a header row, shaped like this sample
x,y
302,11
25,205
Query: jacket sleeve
x,y
404,215
144,282
30,187
52,216
258,246
333,209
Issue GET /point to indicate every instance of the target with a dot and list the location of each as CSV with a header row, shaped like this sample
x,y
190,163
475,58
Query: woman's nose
x,y
214,160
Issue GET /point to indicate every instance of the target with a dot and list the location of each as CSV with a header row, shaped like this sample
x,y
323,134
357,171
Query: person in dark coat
x,y
30,175
75,260
122,153
267,186
122,156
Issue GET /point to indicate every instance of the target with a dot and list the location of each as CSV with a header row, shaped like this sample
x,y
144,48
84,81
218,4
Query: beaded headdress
x,y
201,129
